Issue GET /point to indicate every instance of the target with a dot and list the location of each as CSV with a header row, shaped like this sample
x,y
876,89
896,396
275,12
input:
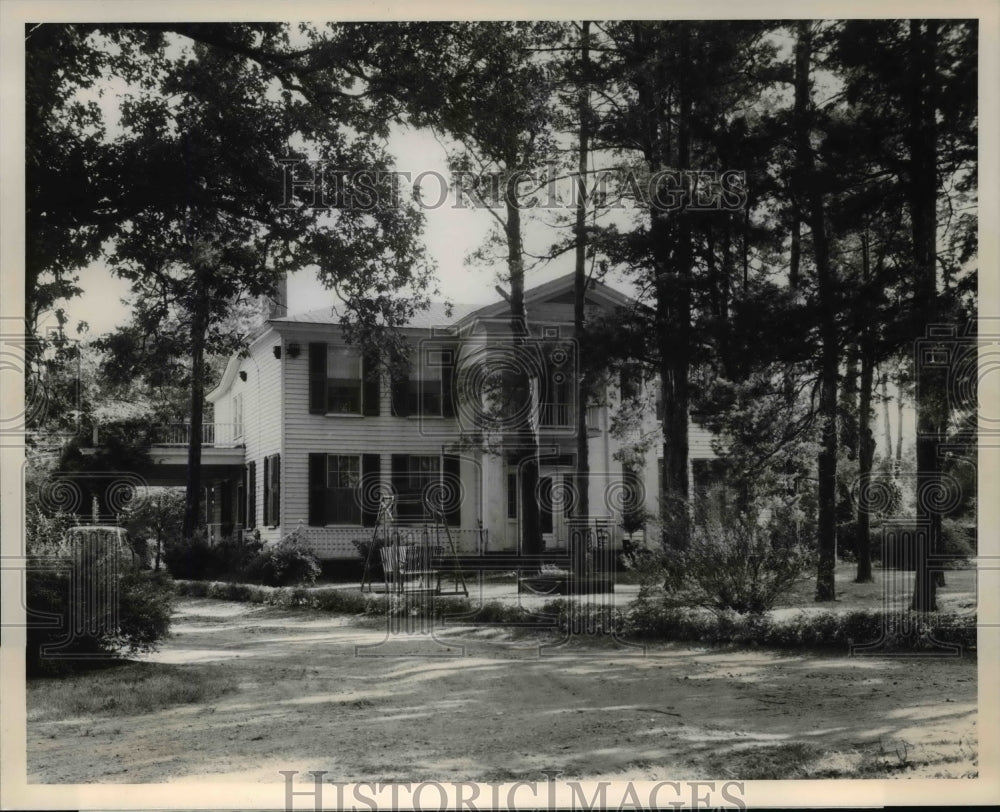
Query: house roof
x,y
595,290
437,314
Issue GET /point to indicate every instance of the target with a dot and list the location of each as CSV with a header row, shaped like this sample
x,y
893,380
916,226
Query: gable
x,y
569,297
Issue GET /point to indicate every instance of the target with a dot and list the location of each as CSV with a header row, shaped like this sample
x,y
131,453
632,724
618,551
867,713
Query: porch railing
x,y
220,435
554,414
338,542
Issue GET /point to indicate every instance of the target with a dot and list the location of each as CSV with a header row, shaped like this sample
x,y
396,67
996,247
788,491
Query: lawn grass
x,y
766,763
126,689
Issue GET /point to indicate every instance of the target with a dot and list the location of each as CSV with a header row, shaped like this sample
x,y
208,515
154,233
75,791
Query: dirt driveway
x,y
316,693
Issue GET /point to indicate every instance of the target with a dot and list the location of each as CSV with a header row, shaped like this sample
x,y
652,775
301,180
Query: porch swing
x,y
412,566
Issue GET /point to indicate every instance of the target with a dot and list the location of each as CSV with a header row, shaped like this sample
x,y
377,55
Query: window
x,y
427,389
343,473
341,381
272,490
511,495
425,485
237,416
344,489
423,472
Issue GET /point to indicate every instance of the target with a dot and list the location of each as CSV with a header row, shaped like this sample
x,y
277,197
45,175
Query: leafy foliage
x,y
287,562
67,625
243,559
736,563
155,517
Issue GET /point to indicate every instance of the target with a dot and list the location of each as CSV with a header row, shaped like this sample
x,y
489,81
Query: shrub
x,y
369,551
192,558
287,562
345,601
739,566
235,555
67,624
243,559
652,617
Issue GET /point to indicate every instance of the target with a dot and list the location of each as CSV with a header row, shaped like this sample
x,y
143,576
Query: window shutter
x,y
317,490
447,378
276,489
317,377
267,491
371,470
452,480
370,388
251,495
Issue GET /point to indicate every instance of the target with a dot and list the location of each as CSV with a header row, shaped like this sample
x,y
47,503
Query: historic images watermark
x,y
315,185
548,794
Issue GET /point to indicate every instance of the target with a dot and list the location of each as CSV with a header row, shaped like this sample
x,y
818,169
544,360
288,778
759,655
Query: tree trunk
x,y
931,403
525,451
796,255
672,248
849,400
866,438
199,326
885,417
580,285
829,352
899,425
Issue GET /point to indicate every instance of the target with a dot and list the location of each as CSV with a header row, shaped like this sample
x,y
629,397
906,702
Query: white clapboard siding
x,y
385,435
261,416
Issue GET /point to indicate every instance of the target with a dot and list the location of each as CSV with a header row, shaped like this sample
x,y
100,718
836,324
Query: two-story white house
x,y
310,434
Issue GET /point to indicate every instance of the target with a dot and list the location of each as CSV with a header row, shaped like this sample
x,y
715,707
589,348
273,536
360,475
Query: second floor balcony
x,y
563,415
215,435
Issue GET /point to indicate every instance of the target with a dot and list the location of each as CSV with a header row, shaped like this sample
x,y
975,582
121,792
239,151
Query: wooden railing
x,y
338,542
221,435
554,414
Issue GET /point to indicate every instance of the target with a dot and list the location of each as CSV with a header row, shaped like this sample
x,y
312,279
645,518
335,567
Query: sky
x,y
450,235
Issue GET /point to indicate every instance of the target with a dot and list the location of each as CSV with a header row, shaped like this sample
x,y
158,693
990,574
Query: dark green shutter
x,y
317,490
317,377
371,391
371,470
452,474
